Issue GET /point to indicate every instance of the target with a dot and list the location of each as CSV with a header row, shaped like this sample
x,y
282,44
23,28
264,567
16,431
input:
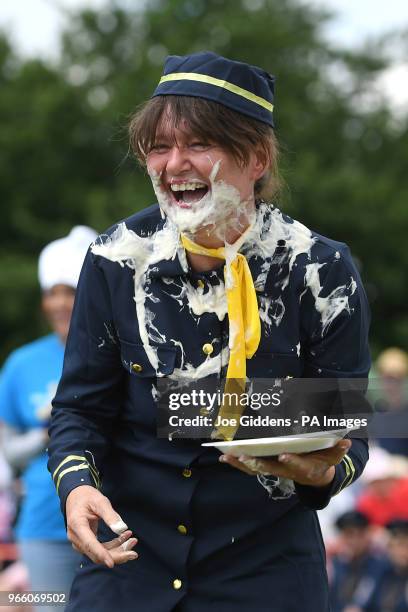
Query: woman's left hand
x,y
315,469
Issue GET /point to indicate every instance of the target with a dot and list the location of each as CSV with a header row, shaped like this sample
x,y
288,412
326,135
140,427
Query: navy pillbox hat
x,y
239,86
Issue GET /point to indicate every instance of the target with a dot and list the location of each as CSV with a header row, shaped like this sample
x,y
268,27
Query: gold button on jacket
x,y
137,367
177,584
208,349
182,529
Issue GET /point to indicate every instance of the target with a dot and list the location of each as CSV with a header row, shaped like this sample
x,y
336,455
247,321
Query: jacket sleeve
x,y
89,393
337,323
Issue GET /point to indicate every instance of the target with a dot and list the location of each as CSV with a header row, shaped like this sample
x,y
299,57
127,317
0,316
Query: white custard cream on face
x,y
218,212
220,204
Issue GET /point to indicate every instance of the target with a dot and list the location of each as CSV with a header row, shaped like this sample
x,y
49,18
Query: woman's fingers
x,y
84,507
120,549
254,465
337,452
85,540
123,542
315,468
118,541
235,462
123,552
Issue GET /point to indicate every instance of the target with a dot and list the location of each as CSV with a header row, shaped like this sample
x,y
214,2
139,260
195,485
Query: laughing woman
x,y
211,281
27,386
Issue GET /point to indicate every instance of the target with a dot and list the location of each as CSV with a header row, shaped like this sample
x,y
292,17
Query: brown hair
x,y
234,132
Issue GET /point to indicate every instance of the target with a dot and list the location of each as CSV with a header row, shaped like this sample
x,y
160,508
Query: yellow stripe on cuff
x,y
64,461
204,78
350,472
73,468
95,474
352,468
347,468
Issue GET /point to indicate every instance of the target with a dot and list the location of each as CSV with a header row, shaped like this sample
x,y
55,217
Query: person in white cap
x,y
27,385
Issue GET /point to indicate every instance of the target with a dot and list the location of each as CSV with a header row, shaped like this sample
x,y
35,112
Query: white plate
x,y
263,447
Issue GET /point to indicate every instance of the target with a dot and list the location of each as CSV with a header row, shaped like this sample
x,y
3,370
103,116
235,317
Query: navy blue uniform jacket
x,y
209,535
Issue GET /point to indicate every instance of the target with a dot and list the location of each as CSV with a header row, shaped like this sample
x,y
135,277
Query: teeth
x,y
187,186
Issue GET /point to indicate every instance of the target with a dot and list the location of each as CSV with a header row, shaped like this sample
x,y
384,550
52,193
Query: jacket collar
x,y
263,272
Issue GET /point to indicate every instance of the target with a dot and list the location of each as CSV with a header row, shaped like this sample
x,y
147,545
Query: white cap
x,y
382,465
61,261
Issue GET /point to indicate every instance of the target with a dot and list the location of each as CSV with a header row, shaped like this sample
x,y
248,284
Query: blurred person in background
x,y
385,493
13,575
27,385
356,566
7,498
391,592
390,424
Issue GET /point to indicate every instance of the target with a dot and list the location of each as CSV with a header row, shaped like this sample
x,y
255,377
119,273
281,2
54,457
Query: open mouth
x,y
186,194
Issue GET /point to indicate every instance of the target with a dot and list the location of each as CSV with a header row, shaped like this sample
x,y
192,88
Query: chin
x,y
61,331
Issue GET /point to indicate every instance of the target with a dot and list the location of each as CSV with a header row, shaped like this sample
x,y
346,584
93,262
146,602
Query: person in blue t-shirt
x,y
27,385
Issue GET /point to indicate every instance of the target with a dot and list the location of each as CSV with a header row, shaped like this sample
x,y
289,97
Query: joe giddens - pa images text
x,y
265,421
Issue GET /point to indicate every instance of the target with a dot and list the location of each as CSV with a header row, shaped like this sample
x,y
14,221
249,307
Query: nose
x,y
178,160
64,303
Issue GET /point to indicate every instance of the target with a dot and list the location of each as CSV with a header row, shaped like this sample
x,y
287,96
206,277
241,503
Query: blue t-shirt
x,y
27,385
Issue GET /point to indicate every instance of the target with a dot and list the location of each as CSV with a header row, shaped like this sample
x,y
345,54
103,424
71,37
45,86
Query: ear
x,y
259,163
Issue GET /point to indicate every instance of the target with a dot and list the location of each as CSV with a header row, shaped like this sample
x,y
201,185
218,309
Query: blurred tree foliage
x,y
64,154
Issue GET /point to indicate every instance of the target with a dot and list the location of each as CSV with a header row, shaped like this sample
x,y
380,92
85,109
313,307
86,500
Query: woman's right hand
x,y
85,505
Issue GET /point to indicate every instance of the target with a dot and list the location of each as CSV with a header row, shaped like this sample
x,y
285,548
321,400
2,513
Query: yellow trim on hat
x,y
204,78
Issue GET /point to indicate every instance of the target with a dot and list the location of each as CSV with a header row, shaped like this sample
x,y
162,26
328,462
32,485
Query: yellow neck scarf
x,y
243,314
